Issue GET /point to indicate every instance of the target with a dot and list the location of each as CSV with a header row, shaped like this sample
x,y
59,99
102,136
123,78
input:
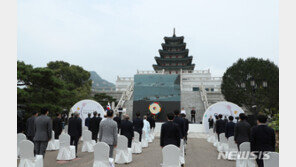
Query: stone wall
x,y
191,99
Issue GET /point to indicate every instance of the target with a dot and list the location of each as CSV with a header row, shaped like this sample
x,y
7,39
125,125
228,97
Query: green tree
x,y
103,99
236,86
58,86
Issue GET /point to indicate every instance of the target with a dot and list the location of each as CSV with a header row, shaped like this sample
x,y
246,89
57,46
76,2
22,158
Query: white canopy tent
x,y
225,108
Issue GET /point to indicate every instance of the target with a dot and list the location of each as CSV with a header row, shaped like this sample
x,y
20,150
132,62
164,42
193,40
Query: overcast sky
x,y
117,37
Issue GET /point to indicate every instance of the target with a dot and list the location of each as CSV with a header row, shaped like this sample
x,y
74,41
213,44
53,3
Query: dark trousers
x,y
74,141
111,151
193,118
57,135
95,136
129,144
40,147
31,138
259,160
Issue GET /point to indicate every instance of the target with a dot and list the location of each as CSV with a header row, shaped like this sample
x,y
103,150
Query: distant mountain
x,y
99,83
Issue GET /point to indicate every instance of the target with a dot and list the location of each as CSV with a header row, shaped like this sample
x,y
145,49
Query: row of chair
x,y
243,156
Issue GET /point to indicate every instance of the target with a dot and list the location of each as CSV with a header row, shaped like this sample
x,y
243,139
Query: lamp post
x,y
254,87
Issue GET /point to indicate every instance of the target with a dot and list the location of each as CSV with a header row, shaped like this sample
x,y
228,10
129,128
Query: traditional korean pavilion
x,y
173,56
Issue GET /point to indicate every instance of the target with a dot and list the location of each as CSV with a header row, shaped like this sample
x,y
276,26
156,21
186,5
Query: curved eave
x,y
169,53
179,46
160,60
189,67
173,39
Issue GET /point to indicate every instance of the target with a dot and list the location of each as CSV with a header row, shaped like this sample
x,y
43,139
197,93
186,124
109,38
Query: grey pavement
x,y
199,153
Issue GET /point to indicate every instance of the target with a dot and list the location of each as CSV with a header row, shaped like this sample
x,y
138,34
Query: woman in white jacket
x,y
146,128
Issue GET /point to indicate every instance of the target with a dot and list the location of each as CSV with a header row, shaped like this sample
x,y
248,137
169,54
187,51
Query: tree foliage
x,y
57,86
103,98
243,71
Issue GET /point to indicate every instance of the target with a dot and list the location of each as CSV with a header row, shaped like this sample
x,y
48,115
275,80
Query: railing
x,y
124,78
126,95
204,98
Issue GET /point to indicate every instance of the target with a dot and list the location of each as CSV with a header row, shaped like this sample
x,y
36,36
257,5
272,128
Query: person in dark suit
x,y
30,124
117,119
220,126
225,120
229,131
127,129
242,130
151,121
211,122
86,122
43,132
94,125
75,130
138,124
57,126
186,125
262,139
170,132
193,113
178,120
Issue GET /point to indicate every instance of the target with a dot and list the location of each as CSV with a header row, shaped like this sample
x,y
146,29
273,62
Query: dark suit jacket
x,y
242,132
30,126
211,122
127,129
43,128
138,125
118,121
170,134
262,138
180,122
57,125
86,122
220,126
94,125
75,127
186,125
229,131
151,122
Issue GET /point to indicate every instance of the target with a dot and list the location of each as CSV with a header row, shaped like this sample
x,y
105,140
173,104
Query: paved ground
x,y
200,153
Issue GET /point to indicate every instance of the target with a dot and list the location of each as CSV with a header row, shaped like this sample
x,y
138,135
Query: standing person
x,y
229,130
57,126
94,125
178,120
170,132
211,122
108,132
186,125
43,132
75,130
262,139
193,112
138,124
242,130
146,128
225,120
150,120
127,129
117,119
30,124
86,122
220,126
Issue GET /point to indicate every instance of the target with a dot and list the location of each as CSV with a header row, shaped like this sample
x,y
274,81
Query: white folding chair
x,y
53,144
223,144
136,144
244,158
101,155
88,143
232,149
152,134
272,161
182,152
66,152
216,141
123,153
20,138
83,129
144,142
27,158
211,137
65,129
170,156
